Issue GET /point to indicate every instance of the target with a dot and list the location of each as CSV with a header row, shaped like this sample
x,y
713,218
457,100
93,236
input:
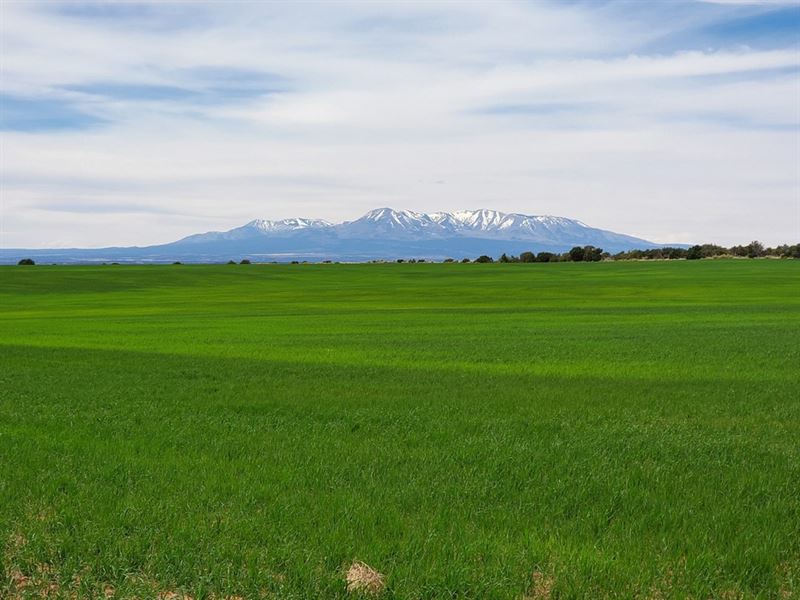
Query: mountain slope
x,y
383,233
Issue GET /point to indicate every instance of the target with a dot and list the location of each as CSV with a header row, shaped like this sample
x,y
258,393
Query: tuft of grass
x,y
613,430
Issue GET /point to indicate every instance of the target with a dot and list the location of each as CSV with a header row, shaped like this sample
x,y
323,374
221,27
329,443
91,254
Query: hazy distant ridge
x,y
383,233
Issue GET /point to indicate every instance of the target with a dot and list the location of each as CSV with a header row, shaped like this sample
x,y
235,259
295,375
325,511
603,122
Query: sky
x,y
135,123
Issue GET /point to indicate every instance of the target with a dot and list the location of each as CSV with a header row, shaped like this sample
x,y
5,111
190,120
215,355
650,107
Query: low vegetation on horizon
x,y
624,431
754,249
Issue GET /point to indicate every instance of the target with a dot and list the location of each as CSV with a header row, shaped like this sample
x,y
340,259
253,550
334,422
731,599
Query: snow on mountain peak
x,y
448,233
410,224
287,224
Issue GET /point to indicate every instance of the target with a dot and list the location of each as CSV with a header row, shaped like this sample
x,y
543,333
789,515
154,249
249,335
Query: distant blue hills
x,y
382,233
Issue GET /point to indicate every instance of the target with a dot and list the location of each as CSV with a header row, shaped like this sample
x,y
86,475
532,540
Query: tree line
x,y
754,249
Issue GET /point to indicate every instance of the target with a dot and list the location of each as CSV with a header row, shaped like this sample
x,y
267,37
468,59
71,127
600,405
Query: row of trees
x,y
754,249
576,254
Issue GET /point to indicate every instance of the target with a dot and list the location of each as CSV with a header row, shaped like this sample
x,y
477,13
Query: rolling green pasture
x,y
620,430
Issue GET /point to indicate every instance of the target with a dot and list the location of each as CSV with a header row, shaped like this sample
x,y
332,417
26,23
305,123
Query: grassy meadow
x,y
569,430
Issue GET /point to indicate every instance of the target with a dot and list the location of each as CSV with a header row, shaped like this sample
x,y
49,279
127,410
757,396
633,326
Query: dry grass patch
x,y
541,587
171,595
363,578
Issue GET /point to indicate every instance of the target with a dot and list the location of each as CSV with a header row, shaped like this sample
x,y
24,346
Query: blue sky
x,y
140,122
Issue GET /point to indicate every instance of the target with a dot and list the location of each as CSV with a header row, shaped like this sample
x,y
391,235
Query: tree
x,y
694,253
231,262
755,249
709,250
484,259
590,253
26,261
527,257
576,254
448,260
245,261
544,257
465,260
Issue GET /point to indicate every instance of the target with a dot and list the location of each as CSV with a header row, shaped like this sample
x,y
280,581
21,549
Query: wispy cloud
x,y
33,114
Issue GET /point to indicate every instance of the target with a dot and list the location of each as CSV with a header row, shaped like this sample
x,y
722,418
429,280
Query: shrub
x,y
26,261
527,257
484,259
448,260
177,262
400,260
465,260
245,261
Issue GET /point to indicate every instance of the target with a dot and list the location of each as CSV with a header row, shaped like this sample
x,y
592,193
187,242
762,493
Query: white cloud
x,y
534,108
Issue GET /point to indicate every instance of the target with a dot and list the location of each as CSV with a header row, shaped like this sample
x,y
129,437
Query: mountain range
x,y
383,233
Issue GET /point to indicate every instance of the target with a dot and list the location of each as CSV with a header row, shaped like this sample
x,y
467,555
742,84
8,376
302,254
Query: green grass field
x,y
621,430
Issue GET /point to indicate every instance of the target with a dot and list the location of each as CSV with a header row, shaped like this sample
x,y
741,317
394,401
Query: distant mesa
x,y
383,233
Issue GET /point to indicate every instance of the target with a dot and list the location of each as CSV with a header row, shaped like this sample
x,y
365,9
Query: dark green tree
x,y
755,249
576,254
592,254
544,257
694,253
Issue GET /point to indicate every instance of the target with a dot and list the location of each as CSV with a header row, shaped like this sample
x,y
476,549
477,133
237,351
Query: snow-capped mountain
x,y
287,225
381,233
259,227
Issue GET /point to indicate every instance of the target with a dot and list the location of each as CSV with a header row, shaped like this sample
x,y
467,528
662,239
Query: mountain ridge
x,y
381,233
406,222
